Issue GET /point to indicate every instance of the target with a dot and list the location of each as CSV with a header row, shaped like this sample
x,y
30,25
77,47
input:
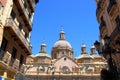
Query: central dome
x,y
62,44
62,47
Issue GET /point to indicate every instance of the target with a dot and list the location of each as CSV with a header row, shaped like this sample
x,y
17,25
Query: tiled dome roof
x,y
42,55
62,44
84,56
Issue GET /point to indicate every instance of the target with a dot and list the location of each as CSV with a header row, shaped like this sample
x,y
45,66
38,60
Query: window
x,y
20,26
13,56
65,69
29,15
4,44
21,59
13,14
62,53
117,20
25,5
101,18
14,53
87,60
26,35
64,59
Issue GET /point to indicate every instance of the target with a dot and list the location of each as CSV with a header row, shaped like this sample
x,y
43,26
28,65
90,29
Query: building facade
x,y
16,18
108,16
62,65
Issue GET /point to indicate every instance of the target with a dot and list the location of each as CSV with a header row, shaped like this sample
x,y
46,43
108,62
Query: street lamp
x,y
106,49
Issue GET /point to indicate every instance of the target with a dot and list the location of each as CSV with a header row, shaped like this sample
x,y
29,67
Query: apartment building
x,y
16,17
108,16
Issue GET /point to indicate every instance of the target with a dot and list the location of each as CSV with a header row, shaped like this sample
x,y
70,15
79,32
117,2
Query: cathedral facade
x,y
62,65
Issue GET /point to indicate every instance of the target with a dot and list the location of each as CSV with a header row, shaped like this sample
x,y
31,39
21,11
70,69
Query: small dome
x,y
84,56
93,46
43,44
83,45
96,56
62,44
42,55
62,32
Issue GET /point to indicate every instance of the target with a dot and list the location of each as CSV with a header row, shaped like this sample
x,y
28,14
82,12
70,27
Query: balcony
x,y
17,35
32,4
16,64
5,57
111,4
24,13
22,68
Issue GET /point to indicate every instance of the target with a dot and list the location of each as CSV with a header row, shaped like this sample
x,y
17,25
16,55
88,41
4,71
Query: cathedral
x,y
62,65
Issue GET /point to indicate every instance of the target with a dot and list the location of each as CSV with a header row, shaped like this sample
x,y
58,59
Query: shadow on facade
x,y
106,74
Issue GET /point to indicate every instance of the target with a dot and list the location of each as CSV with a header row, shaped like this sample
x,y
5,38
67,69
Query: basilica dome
x,y
62,44
62,47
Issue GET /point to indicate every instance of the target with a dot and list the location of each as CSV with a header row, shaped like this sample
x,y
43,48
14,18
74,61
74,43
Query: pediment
x,y
64,64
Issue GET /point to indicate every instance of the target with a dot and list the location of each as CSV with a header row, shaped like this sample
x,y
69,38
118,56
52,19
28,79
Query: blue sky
x,y
78,18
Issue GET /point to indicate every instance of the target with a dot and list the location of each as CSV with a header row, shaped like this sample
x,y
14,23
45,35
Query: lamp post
x,y
106,49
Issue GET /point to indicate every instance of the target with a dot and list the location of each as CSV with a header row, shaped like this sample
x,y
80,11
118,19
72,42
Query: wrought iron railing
x,y
111,3
103,24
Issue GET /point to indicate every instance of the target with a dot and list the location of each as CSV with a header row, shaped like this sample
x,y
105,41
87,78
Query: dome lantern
x,y
93,49
43,47
83,48
62,34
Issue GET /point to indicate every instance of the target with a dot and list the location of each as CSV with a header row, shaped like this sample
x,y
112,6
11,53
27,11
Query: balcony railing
x,y
12,61
98,7
12,25
103,24
115,33
22,68
111,4
6,57
16,64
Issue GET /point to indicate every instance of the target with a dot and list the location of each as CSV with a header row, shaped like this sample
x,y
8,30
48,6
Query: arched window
x,y
65,69
62,53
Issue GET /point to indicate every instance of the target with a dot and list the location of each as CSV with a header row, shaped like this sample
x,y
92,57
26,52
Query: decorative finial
x,y
83,45
82,42
62,27
43,42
